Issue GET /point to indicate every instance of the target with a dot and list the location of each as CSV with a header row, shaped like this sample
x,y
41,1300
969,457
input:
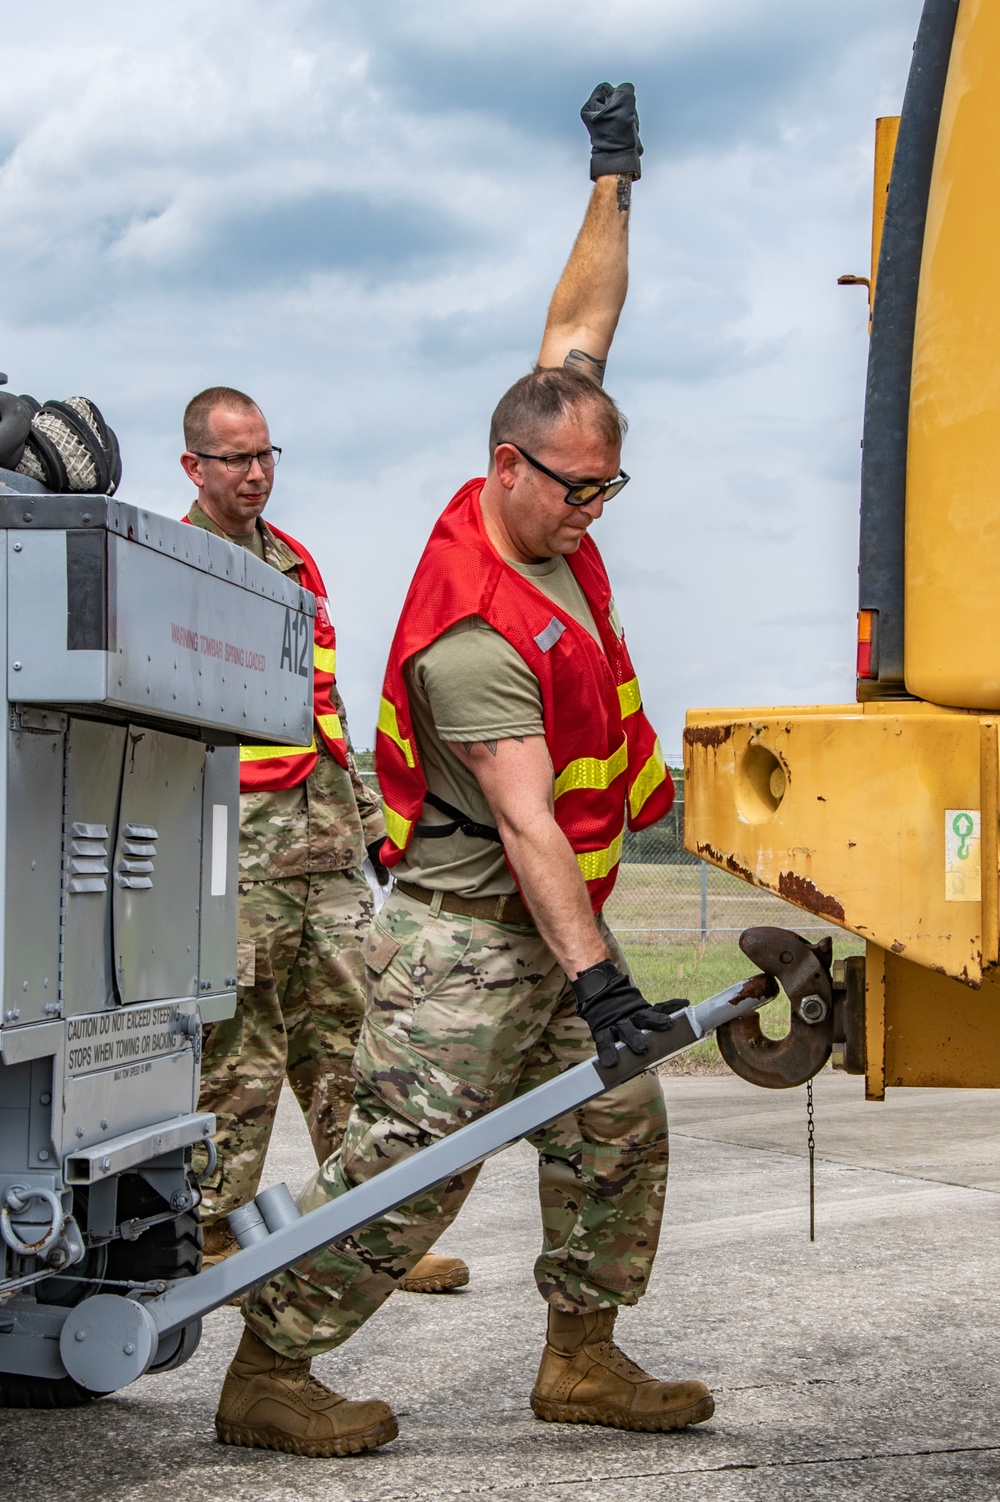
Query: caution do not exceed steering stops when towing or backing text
x,y
123,1038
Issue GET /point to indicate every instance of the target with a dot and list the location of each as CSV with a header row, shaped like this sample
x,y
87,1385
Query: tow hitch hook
x,y
803,970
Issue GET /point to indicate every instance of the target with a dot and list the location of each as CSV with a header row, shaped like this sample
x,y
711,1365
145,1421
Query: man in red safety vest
x,y
306,822
512,750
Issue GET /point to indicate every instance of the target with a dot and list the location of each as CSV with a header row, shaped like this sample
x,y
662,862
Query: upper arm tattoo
x,y
587,365
491,746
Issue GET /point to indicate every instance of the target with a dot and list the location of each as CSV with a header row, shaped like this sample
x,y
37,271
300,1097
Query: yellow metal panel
x,y
874,1022
886,131
937,1032
953,496
989,759
842,812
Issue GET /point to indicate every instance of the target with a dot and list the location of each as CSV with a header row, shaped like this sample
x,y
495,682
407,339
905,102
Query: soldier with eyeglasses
x,y
512,748
307,820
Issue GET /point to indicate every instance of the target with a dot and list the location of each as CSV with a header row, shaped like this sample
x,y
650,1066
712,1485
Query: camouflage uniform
x,y
304,911
462,1015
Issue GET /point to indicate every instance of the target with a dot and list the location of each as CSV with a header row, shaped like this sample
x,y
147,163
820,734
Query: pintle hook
x,y
804,972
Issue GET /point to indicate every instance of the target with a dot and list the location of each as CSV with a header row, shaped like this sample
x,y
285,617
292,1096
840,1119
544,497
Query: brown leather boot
x,y
218,1242
585,1379
434,1274
270,1402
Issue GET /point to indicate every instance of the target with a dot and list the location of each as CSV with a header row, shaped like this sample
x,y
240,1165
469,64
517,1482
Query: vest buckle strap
x,y
459,822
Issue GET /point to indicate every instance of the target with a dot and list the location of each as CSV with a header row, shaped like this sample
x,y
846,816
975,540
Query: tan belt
x,y
509,909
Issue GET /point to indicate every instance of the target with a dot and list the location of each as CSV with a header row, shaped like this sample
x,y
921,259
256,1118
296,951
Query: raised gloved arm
x,y
589,297
611,117
615,1009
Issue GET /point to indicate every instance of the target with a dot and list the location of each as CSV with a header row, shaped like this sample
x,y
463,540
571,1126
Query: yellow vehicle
x,y
882,816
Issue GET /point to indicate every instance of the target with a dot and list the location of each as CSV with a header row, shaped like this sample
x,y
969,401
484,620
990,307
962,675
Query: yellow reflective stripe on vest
x,y
591,772
269,753
596,864
330,726
649,779
325,658
389,725
396,827
629,697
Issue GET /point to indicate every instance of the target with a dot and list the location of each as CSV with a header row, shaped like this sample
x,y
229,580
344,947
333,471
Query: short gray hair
x,y
528,412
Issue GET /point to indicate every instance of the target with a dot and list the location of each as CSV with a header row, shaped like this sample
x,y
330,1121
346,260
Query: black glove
x,y
610,116
374,855
614,1010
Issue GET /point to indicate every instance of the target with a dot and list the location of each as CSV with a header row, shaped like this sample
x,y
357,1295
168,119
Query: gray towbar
x,y
108,1341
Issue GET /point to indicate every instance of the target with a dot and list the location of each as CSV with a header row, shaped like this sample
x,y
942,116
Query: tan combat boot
x,y
434,1274
270,1402
585,1379
218,1242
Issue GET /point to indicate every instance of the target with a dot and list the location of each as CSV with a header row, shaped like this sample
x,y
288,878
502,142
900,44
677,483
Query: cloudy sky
x,y
357,212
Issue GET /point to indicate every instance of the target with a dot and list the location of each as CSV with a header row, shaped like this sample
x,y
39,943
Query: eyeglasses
x,y
578,492
240,463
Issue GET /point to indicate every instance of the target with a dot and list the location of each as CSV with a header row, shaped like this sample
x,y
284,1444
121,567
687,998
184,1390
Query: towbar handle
x,y
275,1236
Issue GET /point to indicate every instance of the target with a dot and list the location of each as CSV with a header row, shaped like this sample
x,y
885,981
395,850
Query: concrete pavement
x,y
864,1366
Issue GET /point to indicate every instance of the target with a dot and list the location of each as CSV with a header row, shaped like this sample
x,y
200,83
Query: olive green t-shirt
x,y
472,685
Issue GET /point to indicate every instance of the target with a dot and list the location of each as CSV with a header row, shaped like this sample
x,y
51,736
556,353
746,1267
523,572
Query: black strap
x,y
15,425
461,822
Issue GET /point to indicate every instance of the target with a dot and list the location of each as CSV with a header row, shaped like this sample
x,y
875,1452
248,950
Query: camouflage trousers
x,y
461,1016
298,1015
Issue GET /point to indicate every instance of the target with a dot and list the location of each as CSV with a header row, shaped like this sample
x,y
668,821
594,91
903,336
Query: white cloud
x,y
358,215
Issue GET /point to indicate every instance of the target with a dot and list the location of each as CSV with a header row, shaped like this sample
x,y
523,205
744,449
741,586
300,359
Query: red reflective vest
x,y
605,754
268,768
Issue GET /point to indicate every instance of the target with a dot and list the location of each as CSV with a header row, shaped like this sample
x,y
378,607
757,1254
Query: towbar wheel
x,y
804,972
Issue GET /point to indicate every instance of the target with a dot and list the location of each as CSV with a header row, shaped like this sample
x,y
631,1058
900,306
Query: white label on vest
x,y
546,640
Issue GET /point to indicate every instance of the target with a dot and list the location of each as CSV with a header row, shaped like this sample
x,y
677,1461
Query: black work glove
x,y
374,855
610,116
614,1010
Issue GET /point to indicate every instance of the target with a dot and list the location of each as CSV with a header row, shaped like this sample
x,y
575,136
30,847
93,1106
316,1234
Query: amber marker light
x,y
864,643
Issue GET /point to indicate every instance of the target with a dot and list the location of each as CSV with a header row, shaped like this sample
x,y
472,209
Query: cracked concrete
x,y
863,1366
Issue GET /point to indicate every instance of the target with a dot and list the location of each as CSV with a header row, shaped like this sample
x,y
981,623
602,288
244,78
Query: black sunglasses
x,y
578,492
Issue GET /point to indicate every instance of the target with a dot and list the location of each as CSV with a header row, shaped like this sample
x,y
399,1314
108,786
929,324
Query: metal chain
x,y
811,1144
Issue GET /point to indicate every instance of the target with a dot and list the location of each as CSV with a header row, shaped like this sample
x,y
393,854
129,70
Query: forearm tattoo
x,y
624,192
587,365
